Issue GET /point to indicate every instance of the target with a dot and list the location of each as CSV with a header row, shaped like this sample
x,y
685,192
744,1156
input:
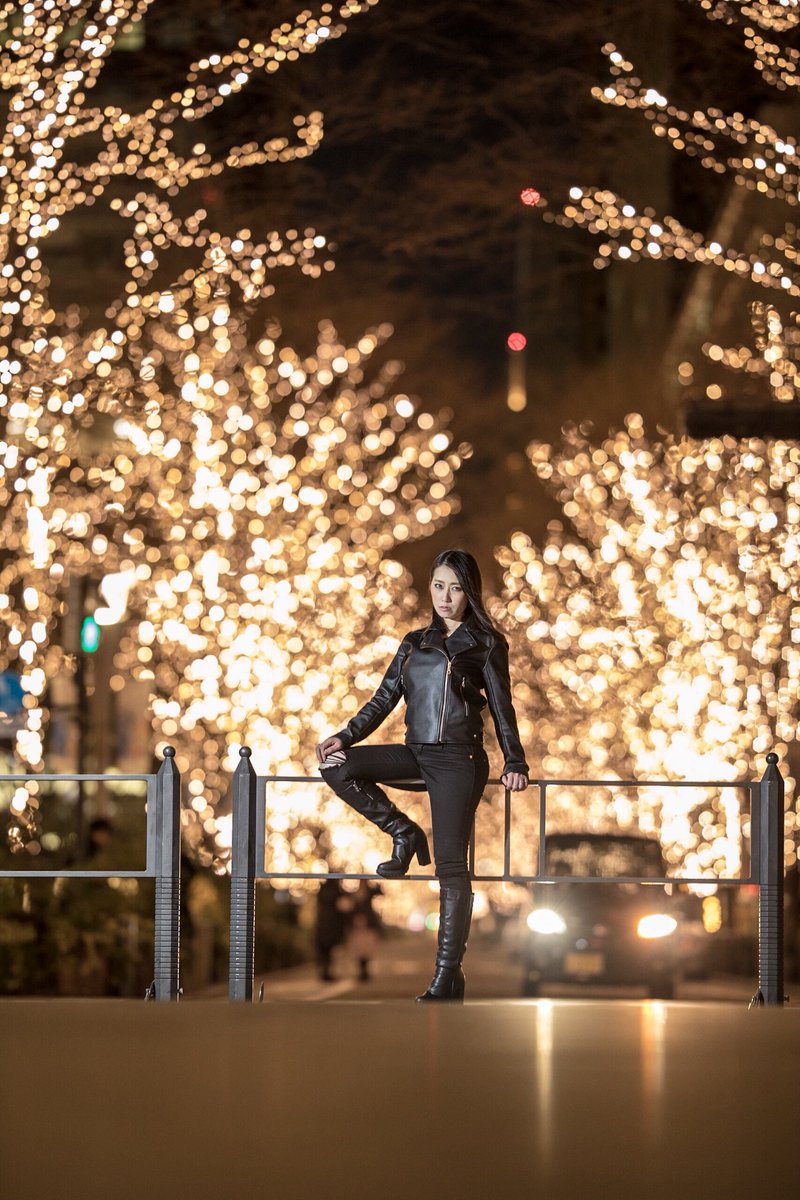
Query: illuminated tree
x,y
664,640
98,454
660,622
747,151
239,497
274,486
60,154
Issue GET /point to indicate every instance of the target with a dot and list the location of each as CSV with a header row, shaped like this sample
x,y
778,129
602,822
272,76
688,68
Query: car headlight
x,y
544,920
657,925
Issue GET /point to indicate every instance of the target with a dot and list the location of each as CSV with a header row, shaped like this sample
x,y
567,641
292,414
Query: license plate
x,y
584,964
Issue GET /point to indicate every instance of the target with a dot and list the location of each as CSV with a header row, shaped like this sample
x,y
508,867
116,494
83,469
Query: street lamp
x,y
517,396
517,390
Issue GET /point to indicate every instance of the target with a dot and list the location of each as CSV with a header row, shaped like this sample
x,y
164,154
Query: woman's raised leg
x,y
354,775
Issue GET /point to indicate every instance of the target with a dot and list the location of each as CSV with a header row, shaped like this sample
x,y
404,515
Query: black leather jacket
x,y
444,688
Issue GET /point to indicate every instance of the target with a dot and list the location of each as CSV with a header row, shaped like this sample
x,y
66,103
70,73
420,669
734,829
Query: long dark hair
x,y
468,574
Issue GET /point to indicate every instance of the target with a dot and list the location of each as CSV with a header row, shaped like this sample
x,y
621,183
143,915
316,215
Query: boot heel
x,y
409,842
422,851
448,984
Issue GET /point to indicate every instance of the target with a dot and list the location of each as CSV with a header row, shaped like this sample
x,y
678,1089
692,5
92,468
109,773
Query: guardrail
x,y
163,799
249,798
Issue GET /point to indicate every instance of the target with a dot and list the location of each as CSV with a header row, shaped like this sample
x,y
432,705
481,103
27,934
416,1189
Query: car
x,y
620,933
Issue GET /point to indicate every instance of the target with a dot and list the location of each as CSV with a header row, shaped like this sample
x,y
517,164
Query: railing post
x,y
770,886
243,880
167,848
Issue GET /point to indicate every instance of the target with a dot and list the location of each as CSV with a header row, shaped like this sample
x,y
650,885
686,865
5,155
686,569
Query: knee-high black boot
x,y
371,802
455,917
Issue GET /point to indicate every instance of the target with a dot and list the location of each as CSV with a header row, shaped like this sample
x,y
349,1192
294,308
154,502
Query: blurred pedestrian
x,y
365,928
330,927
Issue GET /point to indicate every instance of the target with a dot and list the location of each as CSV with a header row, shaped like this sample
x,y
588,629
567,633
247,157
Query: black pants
x,y
454,777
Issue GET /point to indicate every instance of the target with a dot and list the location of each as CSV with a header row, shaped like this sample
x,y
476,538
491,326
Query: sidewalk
x,y
548,1099
404,965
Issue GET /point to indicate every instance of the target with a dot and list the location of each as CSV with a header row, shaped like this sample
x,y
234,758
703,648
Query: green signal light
x,y
90,635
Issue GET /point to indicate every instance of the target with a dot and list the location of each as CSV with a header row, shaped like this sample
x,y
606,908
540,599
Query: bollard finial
x,y
246,752
772,758
169,752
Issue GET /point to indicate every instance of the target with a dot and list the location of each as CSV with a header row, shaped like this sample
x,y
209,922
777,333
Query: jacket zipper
x,y
464,694
444,698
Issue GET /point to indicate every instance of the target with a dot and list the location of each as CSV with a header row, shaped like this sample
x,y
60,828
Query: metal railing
x,y
163,799
249,799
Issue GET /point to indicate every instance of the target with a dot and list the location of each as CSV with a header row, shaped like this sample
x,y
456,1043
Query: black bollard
x,y
770,886
243,880
167,852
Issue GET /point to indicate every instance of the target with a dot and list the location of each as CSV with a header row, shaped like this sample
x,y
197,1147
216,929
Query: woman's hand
x,y
515,781
327,746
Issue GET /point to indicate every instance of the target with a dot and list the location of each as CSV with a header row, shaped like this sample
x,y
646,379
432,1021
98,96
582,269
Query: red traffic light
x,y
516,341
530,196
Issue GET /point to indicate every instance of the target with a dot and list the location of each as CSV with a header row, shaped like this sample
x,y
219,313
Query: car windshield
x,y
576,855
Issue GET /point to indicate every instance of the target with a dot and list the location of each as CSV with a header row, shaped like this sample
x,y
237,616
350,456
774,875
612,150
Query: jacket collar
x,y
461,639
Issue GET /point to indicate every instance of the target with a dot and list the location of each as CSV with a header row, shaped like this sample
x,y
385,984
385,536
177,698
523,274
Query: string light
x,y
631,235
779,16
246,494
664,640
275,485
756,156
773,359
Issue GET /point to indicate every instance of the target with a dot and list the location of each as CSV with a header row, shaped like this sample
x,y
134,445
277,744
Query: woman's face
x,y
447,594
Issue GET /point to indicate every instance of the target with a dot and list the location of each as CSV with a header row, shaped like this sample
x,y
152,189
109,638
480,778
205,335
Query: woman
x,y
446,673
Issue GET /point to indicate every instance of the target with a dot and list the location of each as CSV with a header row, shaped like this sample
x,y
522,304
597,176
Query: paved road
x,y
404,967
518,1100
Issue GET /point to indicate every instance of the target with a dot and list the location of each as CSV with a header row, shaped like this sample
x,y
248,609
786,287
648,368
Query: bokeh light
x,y
750,152
656,633
237,498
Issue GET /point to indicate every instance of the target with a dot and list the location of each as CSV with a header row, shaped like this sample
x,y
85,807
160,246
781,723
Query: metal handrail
x,y
249,796
48,777
163,801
